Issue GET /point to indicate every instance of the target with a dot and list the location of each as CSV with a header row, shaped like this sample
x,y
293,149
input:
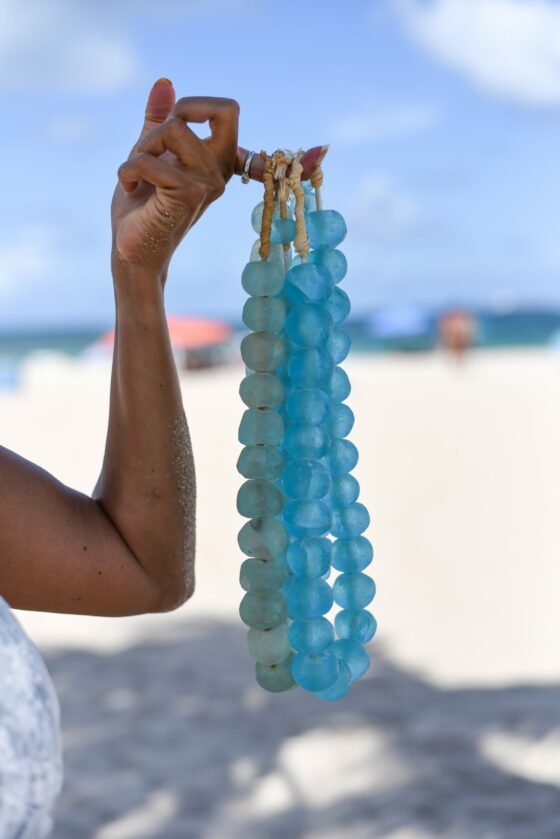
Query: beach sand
x,y
454,732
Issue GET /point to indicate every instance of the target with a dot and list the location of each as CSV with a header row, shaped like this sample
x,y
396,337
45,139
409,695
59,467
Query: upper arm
x,y
59,551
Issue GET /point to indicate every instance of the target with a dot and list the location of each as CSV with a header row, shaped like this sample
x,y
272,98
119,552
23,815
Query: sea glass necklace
x,y
299,494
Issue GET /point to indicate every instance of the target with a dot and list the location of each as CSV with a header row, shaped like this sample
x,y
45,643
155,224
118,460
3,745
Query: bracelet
x,y
245,174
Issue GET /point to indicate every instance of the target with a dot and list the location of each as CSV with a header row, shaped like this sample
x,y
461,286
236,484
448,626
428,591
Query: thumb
x,y
161,102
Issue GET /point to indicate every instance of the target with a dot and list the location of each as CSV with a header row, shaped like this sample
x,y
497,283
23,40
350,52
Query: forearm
x,y
147,484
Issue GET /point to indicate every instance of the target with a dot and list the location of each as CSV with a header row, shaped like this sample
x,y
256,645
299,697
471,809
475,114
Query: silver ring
x,y
245,174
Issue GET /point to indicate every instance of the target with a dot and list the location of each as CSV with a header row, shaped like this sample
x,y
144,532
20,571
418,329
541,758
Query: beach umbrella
x,y
188,333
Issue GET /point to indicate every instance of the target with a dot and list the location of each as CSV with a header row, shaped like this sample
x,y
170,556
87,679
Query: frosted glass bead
x,y
261,428
308,325
262,278
353,654
262,390
311,636
349,521
264,314
283,230
308,405
309,557
286,584
257,499
306,441
309,201
340,687
313,281
358,626
261,573
343,457
344,491
353,591
311,367
269,646
262,352
331,259
341,419
276,254
276,677
351,554
264,462
264,537
316,671
256,215
325,227
312,515
338,344
263,608
338,305
308,598
338,387
306,479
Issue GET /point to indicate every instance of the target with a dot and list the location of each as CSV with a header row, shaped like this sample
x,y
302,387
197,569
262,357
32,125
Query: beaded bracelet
x,y
299,495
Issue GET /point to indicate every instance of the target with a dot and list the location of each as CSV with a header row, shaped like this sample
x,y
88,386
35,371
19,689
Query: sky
x,y
443,119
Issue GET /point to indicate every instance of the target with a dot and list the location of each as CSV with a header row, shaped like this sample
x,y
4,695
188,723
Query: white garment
x,y
30,747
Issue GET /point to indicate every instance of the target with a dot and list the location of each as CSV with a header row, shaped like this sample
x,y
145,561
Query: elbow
x,y
173,597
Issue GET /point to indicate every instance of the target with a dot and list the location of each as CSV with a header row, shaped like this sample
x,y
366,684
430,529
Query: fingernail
x,y
163,79
322,153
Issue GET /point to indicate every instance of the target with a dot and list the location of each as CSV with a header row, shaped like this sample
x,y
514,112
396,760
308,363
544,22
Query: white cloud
x,y
510,48
26,261
382,209
70,128
385,124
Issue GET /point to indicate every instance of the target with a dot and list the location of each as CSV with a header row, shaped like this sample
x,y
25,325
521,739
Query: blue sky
x,y
443,118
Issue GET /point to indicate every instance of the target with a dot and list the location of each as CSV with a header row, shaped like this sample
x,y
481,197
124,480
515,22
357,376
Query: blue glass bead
x,y
311,367
344,491
340,687
311,636
257,499
315,671
338,387
312,281
256,215
261,428
309,201
263,537
308,405
358,626
287,583
263,608
325,228
262,352
309,557
308,515
283,231
349,521
331,259
305,479
276,254
308,325
353,591
354,655
264,314
264,462
276,677
262,390
269,646
337,305
343,457
303,441
351,554
338,344
308,598
262,279
261,573
341,419
293,296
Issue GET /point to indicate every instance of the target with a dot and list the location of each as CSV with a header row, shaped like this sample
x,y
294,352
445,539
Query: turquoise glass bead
x,y
308,325
353,591
257,214
331,259
264,462
351,554
344,491
306,441
341,419
337,305
264,314
349,521
262,278
262,390
283,231
257,499
311,367
306,479
338,344
309,201
261,428
261,573
312,281
263,537
358,626
275,677
308,515
325,228
263,608
340,687
308,405
338,387
343,457
309,557
276,254
354,655
308,598
262,352
269,646
315,671
311,636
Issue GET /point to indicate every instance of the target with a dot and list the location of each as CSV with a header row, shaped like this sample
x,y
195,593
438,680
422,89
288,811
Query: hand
x,y
171,176
310,161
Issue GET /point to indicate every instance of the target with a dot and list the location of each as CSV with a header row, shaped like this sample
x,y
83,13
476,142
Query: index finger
x,y
223,117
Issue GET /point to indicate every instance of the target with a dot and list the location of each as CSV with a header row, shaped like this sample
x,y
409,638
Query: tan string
x,y
317,183
301,242
269,202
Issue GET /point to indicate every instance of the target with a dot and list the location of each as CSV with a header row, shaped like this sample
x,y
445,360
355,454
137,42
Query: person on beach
x,y
130,547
